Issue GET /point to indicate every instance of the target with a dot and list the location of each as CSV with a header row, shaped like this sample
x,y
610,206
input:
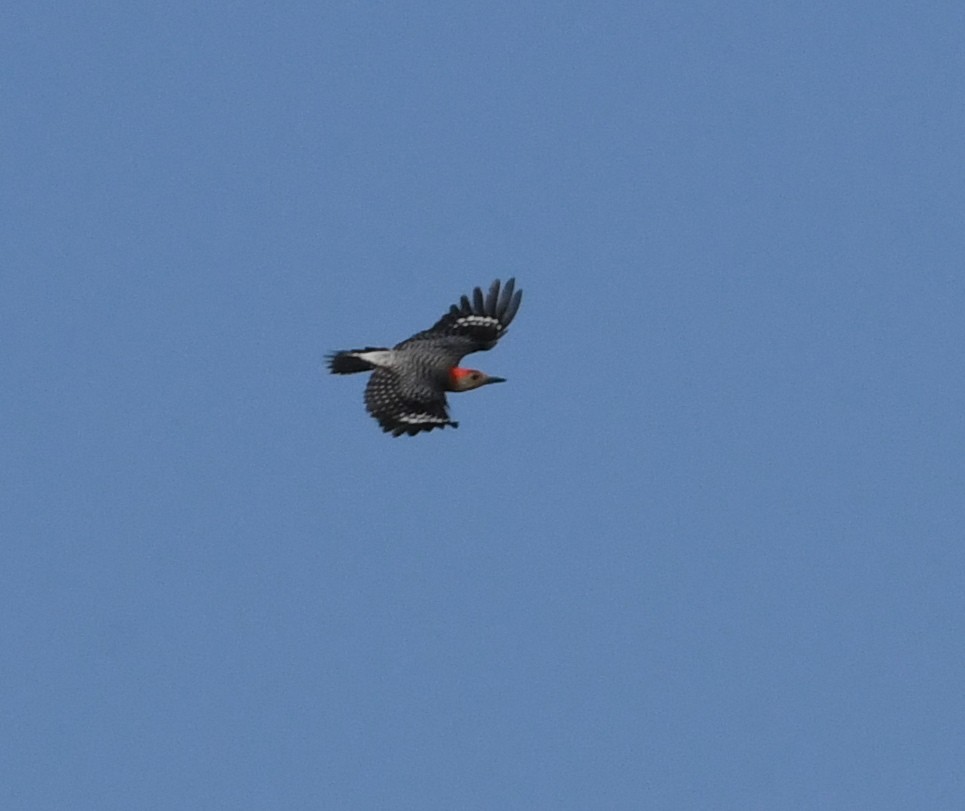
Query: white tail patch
x,y
378,357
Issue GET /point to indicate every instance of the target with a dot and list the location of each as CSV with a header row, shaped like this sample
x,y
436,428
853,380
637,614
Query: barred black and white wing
x,y
402,408
407,390
473,324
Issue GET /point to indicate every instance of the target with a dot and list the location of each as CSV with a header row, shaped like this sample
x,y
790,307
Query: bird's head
x,y
466,379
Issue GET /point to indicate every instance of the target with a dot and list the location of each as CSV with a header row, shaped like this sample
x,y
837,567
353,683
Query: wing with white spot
x,y
475,324
400,412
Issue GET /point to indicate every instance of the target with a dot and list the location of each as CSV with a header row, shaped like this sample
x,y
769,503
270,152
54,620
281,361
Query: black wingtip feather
x,y
492,298
479,305
504,298
513,307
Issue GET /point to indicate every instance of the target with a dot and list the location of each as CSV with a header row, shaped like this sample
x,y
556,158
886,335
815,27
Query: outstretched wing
x,y
405,409
476,324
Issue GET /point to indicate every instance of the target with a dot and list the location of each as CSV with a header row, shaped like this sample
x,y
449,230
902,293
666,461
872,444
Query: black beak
x,y
496,380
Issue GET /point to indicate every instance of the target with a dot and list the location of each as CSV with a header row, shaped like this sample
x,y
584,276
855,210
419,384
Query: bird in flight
x,y
407,390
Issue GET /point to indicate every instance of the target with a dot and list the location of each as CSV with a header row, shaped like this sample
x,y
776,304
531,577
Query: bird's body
x,y
407,390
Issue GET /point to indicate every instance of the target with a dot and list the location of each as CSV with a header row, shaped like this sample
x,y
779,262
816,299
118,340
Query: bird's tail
x,y
349,361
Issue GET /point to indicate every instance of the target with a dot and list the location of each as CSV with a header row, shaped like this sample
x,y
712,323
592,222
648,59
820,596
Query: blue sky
x,y
703,550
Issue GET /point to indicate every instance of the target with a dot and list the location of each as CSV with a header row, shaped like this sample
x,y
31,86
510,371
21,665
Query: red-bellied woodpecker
x,y
407,390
